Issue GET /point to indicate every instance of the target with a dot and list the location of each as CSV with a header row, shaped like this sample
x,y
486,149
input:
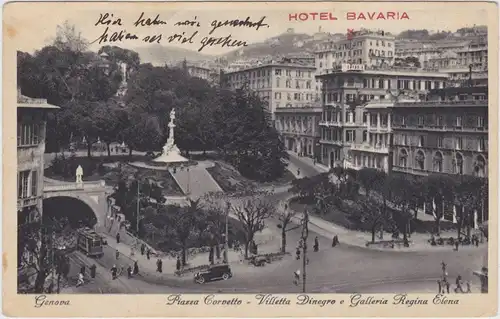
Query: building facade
x,y
31,128
299,129
360,47
278,84
446,134
354,132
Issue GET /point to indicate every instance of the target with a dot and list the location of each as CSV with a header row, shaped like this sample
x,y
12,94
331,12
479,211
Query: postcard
x,y
250,159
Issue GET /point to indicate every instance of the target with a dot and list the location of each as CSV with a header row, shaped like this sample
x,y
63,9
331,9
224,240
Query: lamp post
x,y
305,234
138,207
226,245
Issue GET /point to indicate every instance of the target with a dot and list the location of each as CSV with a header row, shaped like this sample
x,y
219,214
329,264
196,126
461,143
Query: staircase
x,y
196,182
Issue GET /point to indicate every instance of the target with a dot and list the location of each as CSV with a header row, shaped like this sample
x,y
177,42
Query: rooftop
x,y
460,103
267,65
28,102
390,70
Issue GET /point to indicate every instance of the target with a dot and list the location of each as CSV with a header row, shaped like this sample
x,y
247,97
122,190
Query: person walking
x,y
117,254
297,253
316,244
82,270
129,272
447,283
178,263
118,238
440,290
143,249
136,268
298,171
159,266
81,280
148,253
93,271
114,271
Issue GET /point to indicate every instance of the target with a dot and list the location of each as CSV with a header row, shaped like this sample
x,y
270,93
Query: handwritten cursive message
x,y
155,29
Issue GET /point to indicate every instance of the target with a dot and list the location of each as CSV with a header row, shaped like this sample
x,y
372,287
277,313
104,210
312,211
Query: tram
x,y
90,242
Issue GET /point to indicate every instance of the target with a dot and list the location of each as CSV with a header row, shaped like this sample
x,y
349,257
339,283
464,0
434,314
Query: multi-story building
x,y
420,50
366,47
31,119
475,53
445,60
359,136
299,128
448,133
463,76
279,84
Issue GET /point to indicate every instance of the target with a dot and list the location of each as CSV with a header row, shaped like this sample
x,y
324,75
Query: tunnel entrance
x,y
74,211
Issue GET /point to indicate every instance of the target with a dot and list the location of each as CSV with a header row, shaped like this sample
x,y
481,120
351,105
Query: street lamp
x,y
226,245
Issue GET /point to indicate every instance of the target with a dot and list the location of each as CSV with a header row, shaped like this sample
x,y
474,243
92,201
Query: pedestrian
x,y
439,287
136,268
178,262
210,257
114,271
159,266
117,254
132,252
143,248
316,244
457,242
93,271
298,171
297,253
80,281
148,253
118,238
458,282
129,272
82,270
447,286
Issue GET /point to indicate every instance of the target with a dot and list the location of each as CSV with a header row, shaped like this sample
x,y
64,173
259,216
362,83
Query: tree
x,y
252,215
183,224
68,38
142,131
369,177
468,201
109,122
371,213
218,207
403,197
438,190
285,217
37,244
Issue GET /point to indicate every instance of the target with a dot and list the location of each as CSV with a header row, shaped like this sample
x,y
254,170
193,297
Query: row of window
x,y
456,163
296,96
438,120
355,44
27,183
267,73
28,134
458,142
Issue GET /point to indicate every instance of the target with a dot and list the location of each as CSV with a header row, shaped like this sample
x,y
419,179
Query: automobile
x,y
259,261
214,272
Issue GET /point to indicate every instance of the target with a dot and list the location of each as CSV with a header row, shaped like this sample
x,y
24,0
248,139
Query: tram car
x,y
90,242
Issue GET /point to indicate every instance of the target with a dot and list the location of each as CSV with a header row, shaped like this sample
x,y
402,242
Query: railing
x,y
340,143
23,202
74,186
441,128
330,123
380,129
370,148
432,103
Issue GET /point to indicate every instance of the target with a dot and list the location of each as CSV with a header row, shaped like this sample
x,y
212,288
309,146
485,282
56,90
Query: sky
x,y
33,25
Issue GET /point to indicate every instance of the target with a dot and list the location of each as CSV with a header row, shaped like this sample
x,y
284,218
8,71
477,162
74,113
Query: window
x,y
23,183
28,134
480,122
365,83
403,158
420,160
403,120
459,121
440,140
365,117
459,143
421,141
288,84
483,144
277,83
277,72
404,139
277,96
349,136
420,120
365,136
439,120
458,168
437,162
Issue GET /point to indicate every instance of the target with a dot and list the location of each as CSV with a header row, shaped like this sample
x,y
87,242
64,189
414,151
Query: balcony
x,y
379,129
330,124
464,103
331,142
25,202
382,149
442,128
411,170
354,124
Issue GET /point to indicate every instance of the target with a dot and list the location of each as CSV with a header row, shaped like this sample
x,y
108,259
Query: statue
x,y
79,174
171,152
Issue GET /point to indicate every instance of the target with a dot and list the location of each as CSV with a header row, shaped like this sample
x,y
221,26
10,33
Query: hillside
x,y
285,43
159,54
